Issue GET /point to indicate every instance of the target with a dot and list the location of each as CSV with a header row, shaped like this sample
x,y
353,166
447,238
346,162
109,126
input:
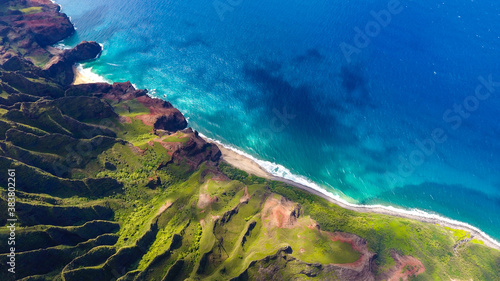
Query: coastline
x,y
85,75
248,165
244,162
80,78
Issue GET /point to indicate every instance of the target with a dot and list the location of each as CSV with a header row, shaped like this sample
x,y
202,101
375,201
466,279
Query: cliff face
x,y
112,186
106,142
60,67
26,26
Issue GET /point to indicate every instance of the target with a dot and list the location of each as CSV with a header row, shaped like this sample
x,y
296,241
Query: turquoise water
x,y
372,117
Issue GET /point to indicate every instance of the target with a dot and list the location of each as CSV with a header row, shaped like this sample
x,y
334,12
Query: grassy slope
x,y
432,244
193,235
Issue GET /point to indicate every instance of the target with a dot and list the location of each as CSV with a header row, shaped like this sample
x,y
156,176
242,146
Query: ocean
x,y
379,102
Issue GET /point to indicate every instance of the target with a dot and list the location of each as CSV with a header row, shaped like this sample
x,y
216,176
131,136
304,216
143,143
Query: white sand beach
x,y
248,165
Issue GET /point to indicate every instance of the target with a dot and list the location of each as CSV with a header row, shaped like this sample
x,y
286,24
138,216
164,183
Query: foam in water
x,y
93,77
282,172
397,97
62,46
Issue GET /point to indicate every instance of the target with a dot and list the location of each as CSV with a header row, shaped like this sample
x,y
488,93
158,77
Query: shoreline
x,y
85,76
80,78
249,165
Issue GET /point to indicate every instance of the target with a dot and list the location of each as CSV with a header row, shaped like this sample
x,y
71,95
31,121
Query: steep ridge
x,y
112,185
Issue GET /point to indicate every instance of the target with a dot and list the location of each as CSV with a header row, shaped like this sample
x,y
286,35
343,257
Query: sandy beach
x,y
248,165
80,78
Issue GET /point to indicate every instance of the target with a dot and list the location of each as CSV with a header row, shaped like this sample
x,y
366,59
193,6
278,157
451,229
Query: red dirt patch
x,y
204,200
164,207
357,244
406,267
125,119
245,196
280,213
157,108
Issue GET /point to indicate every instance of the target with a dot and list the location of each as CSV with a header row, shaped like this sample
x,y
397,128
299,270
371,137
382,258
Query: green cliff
x,y
112,186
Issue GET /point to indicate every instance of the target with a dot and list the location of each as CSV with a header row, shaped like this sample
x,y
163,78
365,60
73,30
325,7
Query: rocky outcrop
x,y
281,213
82,52
115,92
60,67
405,268
279,266
94,89
193,152
27,33
283,266
48,26
198,150
171,122
162,116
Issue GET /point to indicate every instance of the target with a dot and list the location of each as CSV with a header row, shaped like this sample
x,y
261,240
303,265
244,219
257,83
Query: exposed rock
x,y
60,67
163,116
94,89
172,122
153,182
362,269
194,152
49,26
60,70
280,213
405,268
83,52
115,92
26,35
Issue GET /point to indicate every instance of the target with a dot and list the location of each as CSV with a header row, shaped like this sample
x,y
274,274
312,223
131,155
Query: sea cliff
x,y
113,185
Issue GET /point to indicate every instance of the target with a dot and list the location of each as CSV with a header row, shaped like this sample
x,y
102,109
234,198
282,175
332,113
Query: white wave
x,y
61,46
87,73
282,172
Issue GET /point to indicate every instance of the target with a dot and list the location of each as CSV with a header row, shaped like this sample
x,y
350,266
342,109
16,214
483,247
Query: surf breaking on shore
x,y
273,171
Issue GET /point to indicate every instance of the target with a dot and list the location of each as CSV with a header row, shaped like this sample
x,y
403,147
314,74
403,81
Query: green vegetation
x,y
101,196
130,108
31,10
179,137
28,10
458,234
182,223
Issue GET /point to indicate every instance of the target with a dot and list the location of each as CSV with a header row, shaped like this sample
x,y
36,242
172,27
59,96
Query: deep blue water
x,y
271,78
